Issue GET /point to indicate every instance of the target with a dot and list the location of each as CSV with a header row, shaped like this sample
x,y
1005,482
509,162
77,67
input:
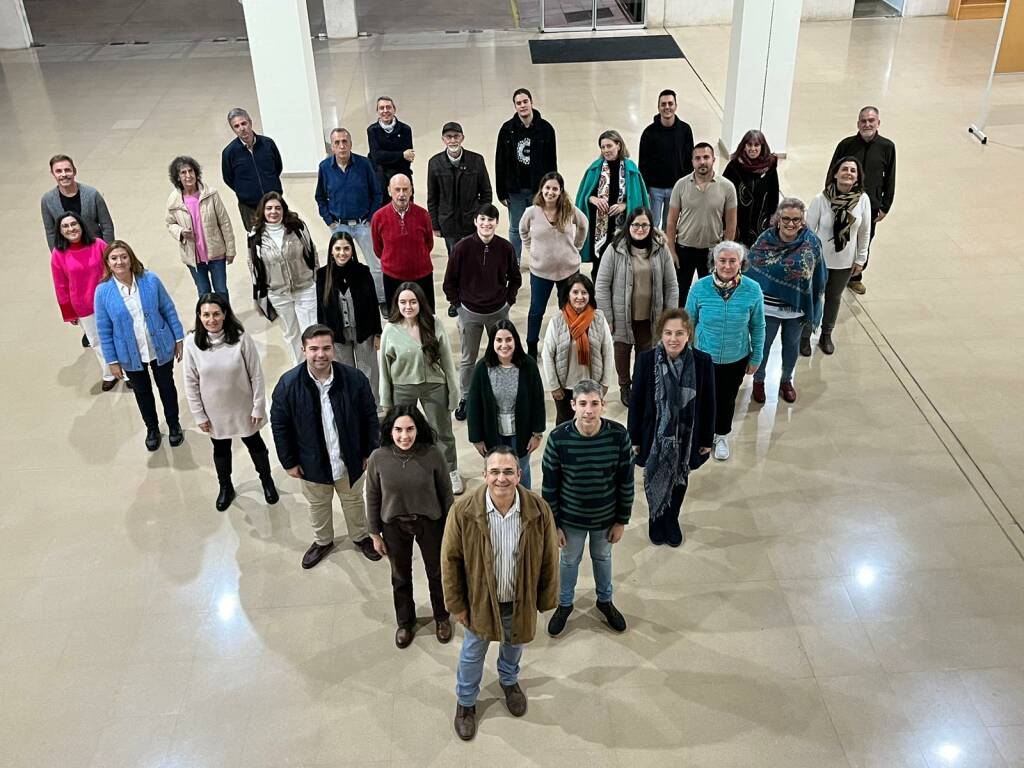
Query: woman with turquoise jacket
x,y
140,335
611,187
728,311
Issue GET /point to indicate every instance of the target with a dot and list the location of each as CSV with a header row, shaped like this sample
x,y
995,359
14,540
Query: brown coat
x,y
467,566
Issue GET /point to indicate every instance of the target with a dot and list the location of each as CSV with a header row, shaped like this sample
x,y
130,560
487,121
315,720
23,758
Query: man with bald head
x,y
402,239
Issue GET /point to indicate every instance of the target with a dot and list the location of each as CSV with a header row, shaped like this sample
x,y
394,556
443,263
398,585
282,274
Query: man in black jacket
x,y
666,147
457,185
390,142
325,426
877,156
251,165
525,152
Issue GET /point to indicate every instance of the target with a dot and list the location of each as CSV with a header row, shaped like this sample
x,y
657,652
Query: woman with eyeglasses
x,y
636,284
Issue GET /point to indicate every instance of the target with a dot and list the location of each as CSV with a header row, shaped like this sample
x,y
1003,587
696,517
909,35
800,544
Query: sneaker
x,y
825,342
611,614
721,451
857,287
515,699
460,412
457,484
787,391
758,395
805,346
558,619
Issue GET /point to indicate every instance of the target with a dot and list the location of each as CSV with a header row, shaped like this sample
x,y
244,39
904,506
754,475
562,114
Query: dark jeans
x,y
248,215
540,294
837,280
211,276
518,202
563,407
255,444
142,386
690,260
791,331
391,288
399,534
874,223
623,352
728,378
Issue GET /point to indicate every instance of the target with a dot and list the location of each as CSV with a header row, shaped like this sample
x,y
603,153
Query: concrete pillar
x,y
282,65
762,61
340,16
14,29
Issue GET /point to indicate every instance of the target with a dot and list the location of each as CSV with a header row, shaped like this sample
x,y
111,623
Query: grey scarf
x,y
675,390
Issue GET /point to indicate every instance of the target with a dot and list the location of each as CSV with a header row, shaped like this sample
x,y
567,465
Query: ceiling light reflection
x,y
866,575
227,605
949,752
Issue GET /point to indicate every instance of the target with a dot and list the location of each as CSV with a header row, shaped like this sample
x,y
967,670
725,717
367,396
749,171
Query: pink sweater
x,y
76,273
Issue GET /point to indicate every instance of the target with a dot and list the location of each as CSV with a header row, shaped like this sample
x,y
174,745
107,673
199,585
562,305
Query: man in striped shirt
x,y
588,483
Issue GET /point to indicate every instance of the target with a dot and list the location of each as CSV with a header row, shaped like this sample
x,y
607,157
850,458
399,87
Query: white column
x,y
762,61
340,16
14,29
282,65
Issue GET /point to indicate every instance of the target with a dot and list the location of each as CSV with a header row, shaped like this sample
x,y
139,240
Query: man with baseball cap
x,y
457,185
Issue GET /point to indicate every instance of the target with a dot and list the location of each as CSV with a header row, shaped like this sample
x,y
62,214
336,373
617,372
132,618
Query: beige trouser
x,y
321,498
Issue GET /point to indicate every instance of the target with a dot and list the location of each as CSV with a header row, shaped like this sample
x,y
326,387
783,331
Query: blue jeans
x,y
572,554
791,330
540,294
518,202
524,462
361,234
659,205
215,272
473,654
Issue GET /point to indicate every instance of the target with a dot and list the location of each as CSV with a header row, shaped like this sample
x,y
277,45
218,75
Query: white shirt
x,y
821,219
505,533
329,424
133,303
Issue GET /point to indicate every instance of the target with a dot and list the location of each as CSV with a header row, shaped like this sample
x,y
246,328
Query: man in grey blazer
x,y
69,195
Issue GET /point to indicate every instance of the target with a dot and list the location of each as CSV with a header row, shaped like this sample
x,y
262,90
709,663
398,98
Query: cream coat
x,y
559,371
220,238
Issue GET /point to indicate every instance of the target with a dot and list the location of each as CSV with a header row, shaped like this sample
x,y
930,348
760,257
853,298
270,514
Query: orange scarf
x,y
579,324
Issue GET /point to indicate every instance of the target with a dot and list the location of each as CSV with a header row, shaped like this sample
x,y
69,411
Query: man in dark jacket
x,y
666,147
457,185
525,152
390,142
877,156
325,426
250,165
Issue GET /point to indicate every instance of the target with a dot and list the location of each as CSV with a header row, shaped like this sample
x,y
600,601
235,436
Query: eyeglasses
x,y
640,225
791,220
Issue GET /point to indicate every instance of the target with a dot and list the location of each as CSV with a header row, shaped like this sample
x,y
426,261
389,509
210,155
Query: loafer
x,y
787,391
460,412
153,439
225,497
404,636
465,722
108,384
515,699
175,436
453,311
443,631
805,346
857,287
315,554
611,614
366,547
558,619
825,342
758,395
624,395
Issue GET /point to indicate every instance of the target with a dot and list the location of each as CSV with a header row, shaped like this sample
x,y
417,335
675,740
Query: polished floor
x,y
851,592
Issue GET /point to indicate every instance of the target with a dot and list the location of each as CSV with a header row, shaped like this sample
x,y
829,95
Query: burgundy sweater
x,y
482,278
403,247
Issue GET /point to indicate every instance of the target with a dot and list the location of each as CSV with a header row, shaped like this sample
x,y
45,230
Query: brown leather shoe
x,y
108,384
515,699
758,395
857,287
315,554
465,722
787,391
404,636
444,630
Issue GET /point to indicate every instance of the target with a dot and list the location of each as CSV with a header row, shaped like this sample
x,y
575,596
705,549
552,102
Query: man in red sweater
x,y
402,239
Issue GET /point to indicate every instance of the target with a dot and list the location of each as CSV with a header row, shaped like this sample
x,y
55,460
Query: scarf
x,y
760,165
579,325
675,392
215,339
340,275
726,288
793,273
843,205
388,128
604,189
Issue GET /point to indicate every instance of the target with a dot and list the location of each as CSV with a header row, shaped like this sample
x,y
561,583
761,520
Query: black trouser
x,y
690,260
563,407
837,281
391,288
859,276
669,519
399,534
728,378
142,386
248,215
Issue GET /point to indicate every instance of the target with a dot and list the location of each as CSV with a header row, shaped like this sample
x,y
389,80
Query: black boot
x,y
227,490
262,463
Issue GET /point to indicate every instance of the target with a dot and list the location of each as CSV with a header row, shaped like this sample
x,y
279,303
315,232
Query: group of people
x,y
367,411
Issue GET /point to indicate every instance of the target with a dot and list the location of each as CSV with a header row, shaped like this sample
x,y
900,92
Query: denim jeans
x,y
518,202
791,330
215,272
572,554
473,654
361,234
524,462
659,205
540,294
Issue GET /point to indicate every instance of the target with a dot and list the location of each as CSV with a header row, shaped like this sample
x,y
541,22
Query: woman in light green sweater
x,y
416,365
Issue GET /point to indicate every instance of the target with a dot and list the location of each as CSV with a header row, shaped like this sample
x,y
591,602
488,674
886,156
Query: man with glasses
x,y
457,185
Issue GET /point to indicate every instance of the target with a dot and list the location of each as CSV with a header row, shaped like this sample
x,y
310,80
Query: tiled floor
x,y
851,594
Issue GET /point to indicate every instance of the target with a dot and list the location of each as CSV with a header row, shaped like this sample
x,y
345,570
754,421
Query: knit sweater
x,y
588,481
482,277
224,385
403,247
554,255
76,273
728,330
397,484
402,362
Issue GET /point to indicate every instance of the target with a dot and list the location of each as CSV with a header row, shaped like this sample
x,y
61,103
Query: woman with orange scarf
x,y
577,346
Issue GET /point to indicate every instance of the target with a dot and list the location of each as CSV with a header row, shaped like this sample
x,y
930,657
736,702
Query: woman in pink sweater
x,y
77,267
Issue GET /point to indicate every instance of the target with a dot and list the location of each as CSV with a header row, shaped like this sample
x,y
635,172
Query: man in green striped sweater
x,y
588,483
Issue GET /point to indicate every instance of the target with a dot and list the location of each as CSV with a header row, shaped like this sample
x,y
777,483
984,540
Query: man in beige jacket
x,y
499,567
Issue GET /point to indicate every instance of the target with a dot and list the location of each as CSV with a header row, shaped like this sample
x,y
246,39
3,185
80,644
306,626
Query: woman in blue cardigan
x,y
611,187
140,333
728,310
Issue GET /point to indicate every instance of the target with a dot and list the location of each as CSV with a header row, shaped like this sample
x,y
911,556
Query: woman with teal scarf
x,y
611,187
786,262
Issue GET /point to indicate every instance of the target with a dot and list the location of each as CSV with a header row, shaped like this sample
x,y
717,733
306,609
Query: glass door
x,y
588,15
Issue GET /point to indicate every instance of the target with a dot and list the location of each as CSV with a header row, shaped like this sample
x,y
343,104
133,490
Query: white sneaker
x,y
457,484
721,448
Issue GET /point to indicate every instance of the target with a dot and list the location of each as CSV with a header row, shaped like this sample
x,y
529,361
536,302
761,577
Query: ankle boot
x,y
227,490
262,463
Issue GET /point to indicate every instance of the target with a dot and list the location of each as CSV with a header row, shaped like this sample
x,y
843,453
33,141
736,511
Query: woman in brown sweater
x,y
399,509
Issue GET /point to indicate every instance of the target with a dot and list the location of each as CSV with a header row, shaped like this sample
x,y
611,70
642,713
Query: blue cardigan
x,y
115,328
728,330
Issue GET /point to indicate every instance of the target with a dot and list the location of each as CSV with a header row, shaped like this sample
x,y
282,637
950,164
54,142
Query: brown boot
x,y
465,722
515,699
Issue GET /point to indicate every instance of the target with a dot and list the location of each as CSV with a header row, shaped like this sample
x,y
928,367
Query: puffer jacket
x,y
217,231
614,288
558,346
